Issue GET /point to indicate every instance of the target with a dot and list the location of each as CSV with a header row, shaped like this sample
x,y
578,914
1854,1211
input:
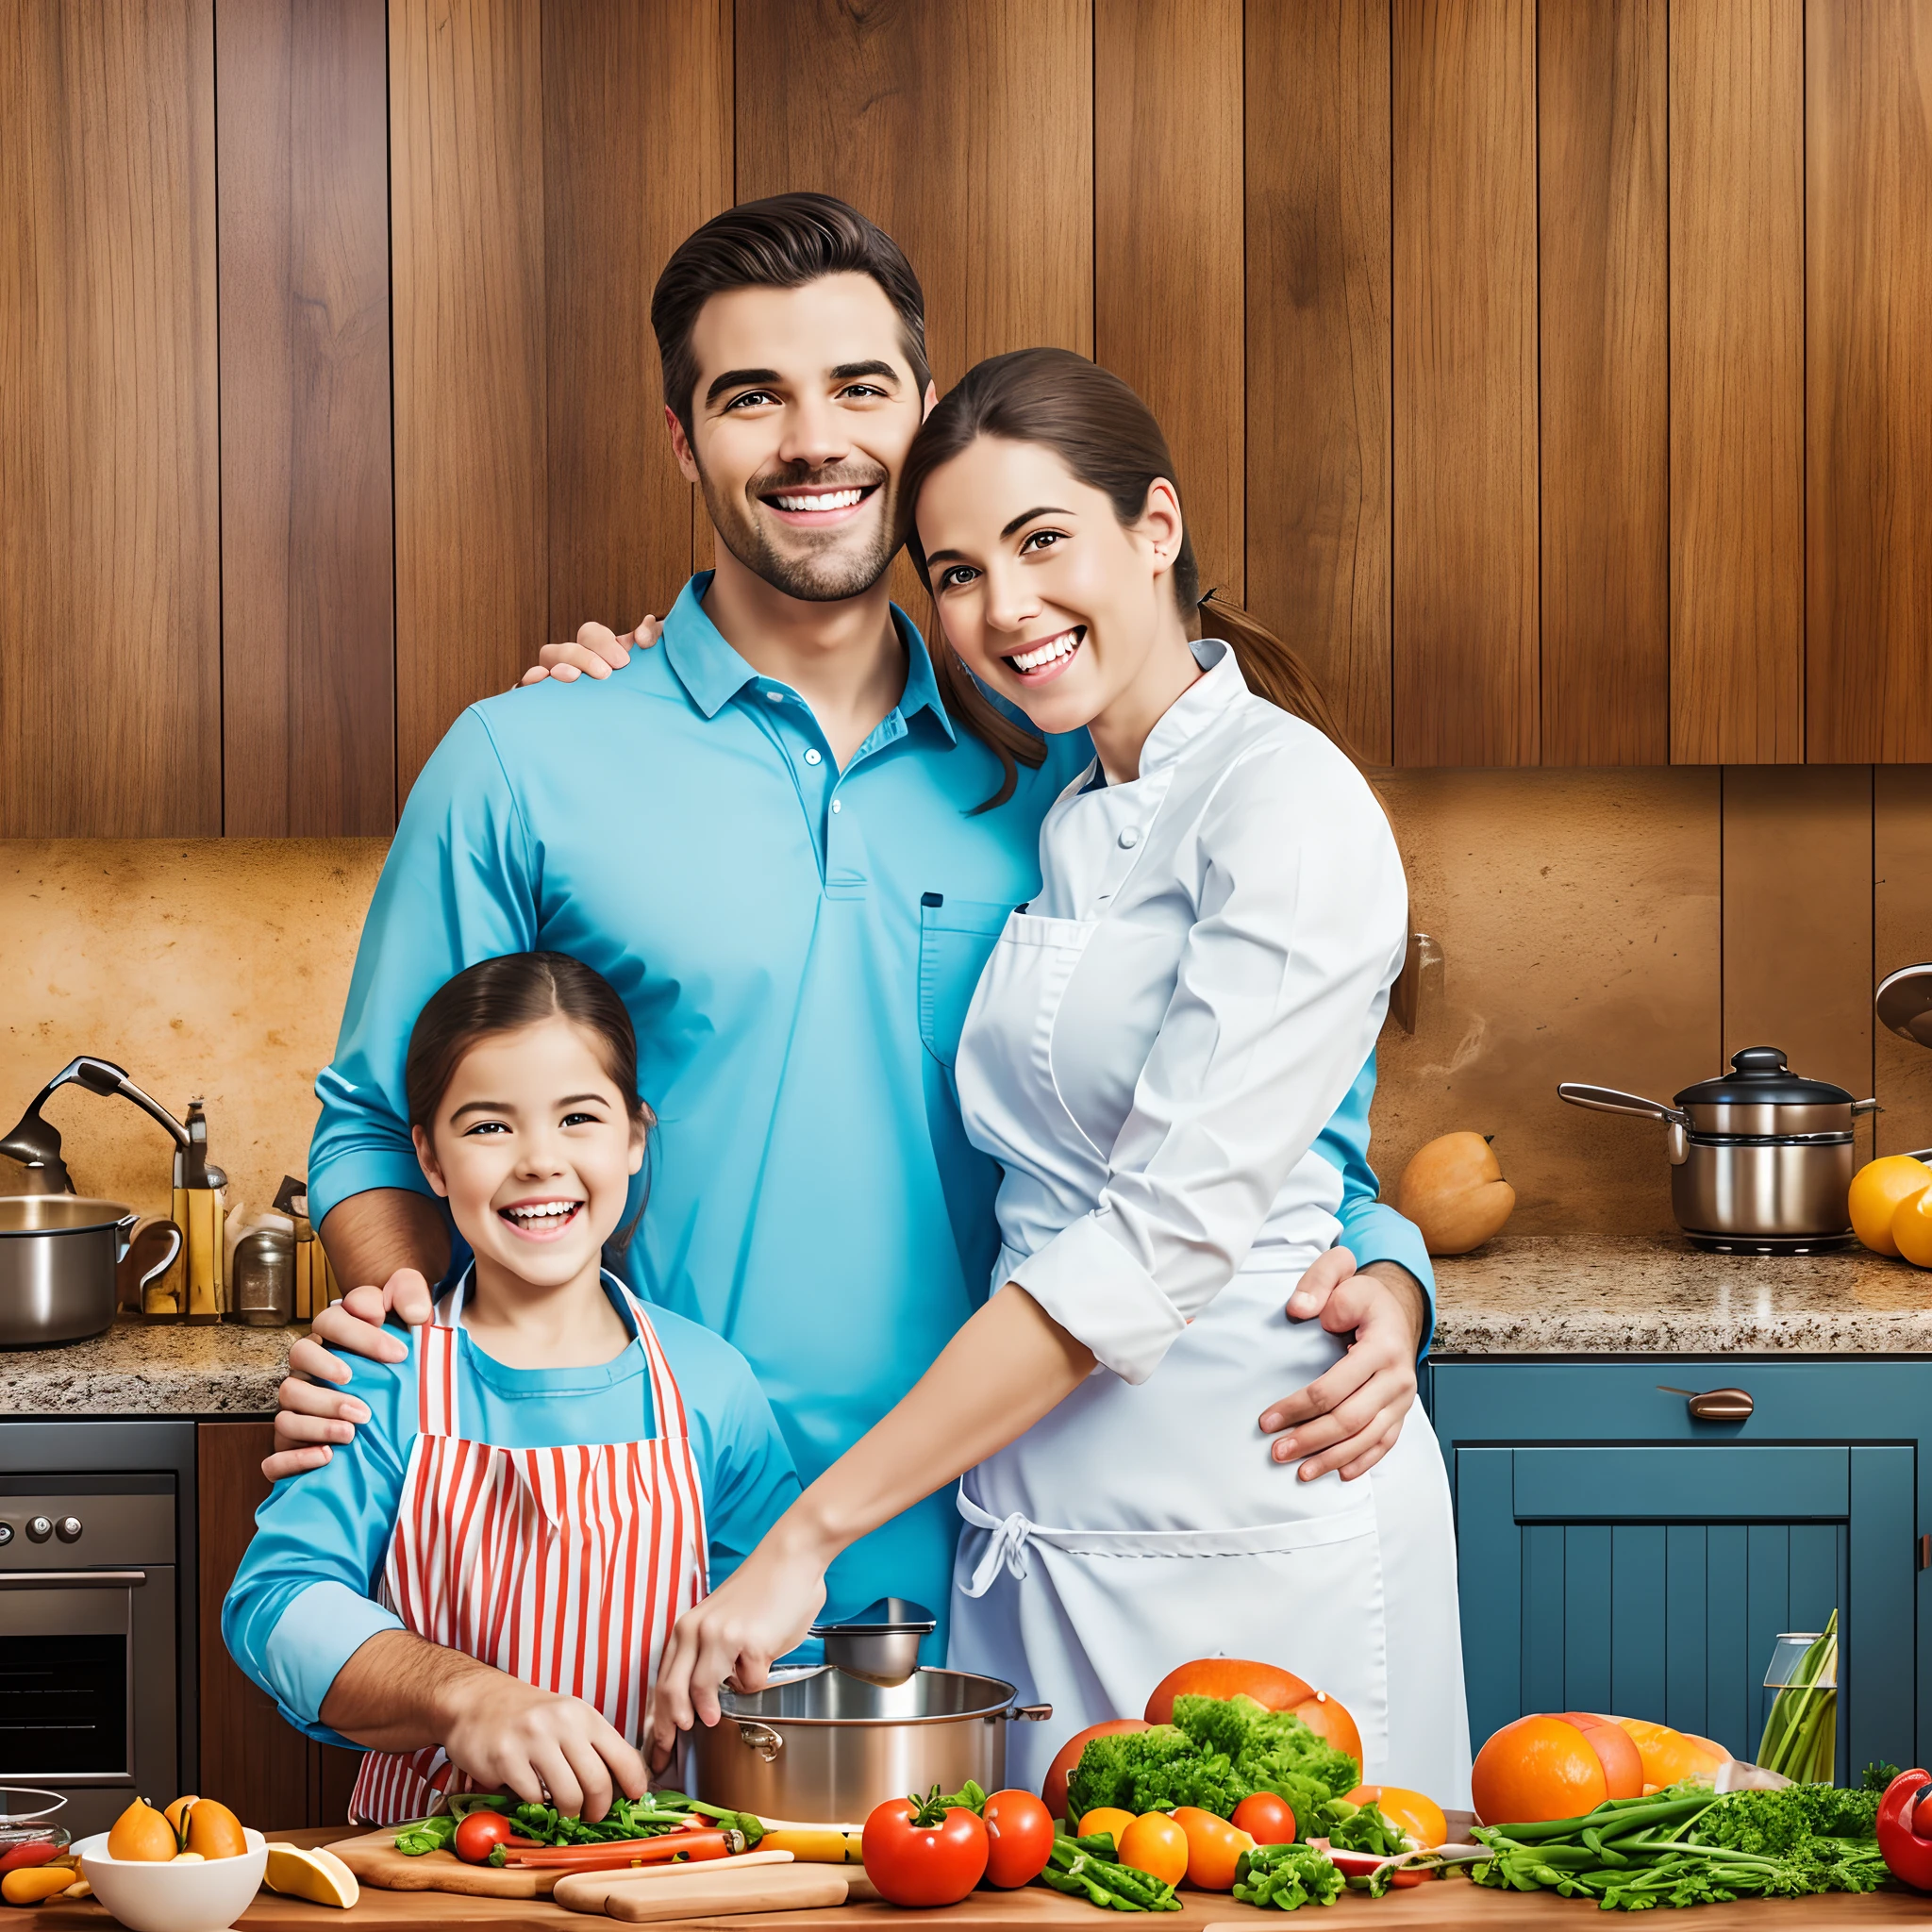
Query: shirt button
x,y
811,758
775,697
837,806
1130,838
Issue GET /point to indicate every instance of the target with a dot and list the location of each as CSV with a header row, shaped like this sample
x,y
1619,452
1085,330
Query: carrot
x,y
615,1853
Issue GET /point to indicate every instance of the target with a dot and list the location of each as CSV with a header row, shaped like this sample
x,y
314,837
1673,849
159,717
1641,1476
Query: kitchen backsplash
x,y
1623,928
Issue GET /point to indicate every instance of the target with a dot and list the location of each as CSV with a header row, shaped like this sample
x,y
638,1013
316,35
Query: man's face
x,y
804,410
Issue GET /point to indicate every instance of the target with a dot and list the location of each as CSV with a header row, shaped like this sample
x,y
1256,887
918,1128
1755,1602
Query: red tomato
x,y
480,1834
1019,1832
919,1854
1266,1819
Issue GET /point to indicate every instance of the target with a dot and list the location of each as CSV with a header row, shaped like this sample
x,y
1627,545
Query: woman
x,y
1152,1052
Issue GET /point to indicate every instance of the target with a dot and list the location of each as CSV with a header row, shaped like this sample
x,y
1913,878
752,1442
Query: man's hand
x,y
311,1417
1349,1419
597,652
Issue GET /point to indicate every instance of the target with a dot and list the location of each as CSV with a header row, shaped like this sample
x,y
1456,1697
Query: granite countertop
x,y
1599,1294
141,1368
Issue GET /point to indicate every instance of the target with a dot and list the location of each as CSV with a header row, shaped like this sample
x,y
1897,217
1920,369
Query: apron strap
x,y
674,1433
1005,1548
436,1364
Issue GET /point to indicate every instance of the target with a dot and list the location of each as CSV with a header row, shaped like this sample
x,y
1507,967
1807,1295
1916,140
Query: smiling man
x,y
788,838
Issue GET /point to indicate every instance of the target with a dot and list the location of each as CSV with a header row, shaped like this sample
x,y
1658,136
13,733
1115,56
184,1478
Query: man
x,y
772,835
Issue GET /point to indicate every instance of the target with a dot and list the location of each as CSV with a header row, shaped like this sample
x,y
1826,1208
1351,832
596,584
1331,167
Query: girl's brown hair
x,y
1107,437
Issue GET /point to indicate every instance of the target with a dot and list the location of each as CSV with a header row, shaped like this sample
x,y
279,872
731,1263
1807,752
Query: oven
x,y
96,1569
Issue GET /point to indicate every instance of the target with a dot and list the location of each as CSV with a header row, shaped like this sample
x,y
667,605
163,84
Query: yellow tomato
x,y
1214,1848
1911,1228
1107,1818
1154,1844
1878,1190
1416,1814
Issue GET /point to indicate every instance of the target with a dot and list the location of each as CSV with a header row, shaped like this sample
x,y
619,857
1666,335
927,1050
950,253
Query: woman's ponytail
x,y
1272,667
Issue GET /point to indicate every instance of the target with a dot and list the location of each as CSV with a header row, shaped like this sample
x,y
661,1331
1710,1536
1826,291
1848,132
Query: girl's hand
x,y
760,1611
502,1732
595,652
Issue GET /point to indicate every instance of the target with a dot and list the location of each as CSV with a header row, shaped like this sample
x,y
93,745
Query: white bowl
x,y
153,1895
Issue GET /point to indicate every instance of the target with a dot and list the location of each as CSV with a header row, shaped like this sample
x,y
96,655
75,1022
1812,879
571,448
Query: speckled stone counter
x,y
1536,1295
142,1369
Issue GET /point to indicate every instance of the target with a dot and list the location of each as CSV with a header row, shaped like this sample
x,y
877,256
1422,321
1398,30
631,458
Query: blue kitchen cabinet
x,y
1616,1555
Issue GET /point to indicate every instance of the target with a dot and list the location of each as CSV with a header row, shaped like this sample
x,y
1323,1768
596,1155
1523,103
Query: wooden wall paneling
x,y
1602,94
307,562
1318,346
466,190
1901,936
619,515
1868,387
1798,905
1168,246
1463,83
1736,382
109,595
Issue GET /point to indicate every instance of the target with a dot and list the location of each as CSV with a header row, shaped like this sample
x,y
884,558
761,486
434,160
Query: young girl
x,y
468,1588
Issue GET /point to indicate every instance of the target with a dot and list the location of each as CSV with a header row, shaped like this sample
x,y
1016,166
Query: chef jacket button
x,y
1130,838
811,758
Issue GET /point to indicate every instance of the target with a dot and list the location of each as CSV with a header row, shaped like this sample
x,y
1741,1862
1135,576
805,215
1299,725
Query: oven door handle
x,y
71,1579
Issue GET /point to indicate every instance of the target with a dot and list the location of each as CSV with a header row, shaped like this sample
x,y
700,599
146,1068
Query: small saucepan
x,y
61,1273
1761,1159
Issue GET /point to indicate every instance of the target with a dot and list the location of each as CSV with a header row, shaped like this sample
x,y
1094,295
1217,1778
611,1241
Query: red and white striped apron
x,y
564,1567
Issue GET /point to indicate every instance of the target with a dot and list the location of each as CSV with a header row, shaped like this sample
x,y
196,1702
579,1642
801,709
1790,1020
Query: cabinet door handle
x,y
1713,1404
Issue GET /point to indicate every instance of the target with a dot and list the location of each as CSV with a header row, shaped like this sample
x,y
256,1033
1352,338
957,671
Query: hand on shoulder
x,y
595,652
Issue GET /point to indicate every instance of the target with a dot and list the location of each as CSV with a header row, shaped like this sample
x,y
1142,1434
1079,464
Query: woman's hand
x,y
597,652
761,1610
1350,1418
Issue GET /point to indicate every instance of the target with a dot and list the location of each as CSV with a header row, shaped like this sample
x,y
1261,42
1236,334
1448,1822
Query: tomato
x,y
1019,1833
480,1834
921,1853
1267,1819
1154,1844
1107,1818
1214,1848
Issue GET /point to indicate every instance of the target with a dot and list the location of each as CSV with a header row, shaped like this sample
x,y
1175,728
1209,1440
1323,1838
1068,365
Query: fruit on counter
x,y
1549,1766
1329,1719
33,1885
1019,1839
1155,1844
1879,1189
1271,1687
1452,1189
1214,1848
924,1851
141,1834
315,1873
1053,1788
1107,1818
1911,1228
1417,1814
212,1830
1669,1757
1265,1818
1902,1842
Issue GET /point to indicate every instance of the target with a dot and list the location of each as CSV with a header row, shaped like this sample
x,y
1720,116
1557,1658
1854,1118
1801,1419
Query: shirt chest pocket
x,y
956,938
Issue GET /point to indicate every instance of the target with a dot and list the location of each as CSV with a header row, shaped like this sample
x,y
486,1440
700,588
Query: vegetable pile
x,y
486,1827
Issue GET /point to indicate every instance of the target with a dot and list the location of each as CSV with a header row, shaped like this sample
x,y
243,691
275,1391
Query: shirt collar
x,y
1220,687
713,674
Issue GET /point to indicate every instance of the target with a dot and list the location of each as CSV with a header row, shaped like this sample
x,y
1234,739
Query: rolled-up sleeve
x,y
459,885
1300,915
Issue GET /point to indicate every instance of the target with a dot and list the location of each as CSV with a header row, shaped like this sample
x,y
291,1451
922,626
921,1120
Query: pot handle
x,y
760,1737
1029,1713
133,1271
1608,1100
1860,1106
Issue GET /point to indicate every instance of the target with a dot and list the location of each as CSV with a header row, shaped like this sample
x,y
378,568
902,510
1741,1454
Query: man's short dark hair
x,y
781,242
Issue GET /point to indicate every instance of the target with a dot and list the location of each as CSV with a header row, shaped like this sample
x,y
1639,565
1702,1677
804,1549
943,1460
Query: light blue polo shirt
x,y
797,946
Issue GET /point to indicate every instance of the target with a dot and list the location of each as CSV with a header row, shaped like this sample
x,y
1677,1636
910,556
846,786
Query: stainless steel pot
x,y
59,1273
1761,1159
821,1747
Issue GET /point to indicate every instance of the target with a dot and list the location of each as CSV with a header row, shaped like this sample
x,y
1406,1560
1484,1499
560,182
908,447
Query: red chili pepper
x,y
38,1851
1907,1854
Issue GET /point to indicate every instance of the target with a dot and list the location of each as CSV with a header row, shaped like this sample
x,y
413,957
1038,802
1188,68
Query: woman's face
x,y
1047,596
534,1151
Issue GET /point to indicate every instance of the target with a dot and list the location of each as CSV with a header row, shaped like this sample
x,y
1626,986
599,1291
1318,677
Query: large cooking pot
x,y
1761,1159
820,1747
59,1273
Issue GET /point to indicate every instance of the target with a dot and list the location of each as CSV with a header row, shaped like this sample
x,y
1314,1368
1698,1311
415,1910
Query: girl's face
x,y
534,1151
1048,597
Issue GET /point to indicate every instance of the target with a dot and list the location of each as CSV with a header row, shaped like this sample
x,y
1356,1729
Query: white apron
x,y
1137,1526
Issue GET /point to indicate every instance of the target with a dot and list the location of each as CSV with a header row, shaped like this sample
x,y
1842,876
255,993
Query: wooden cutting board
x,y
375,1860
720,1888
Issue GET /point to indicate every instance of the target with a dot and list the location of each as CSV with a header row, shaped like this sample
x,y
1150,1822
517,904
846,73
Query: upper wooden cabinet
x,y
1553,377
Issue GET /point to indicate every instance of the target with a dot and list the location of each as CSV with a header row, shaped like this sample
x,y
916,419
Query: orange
x,y
1214,1848
1879,1189
1616,1752
1226,1677
1670,1755
1107,1818
142,1833
176,1815
1540,1767
1327,1718
214,1831
1053,1791
1418,1815
1154,1844
1911,1228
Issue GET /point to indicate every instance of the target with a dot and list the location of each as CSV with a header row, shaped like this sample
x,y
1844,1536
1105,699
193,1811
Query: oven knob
x,y
40,1529
6,1534
68,1530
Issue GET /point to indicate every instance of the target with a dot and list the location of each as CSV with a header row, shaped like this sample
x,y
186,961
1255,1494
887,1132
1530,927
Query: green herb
x,y
1801,1733
646,1817
1365,1829
1090,1868
426,1834
1287,1877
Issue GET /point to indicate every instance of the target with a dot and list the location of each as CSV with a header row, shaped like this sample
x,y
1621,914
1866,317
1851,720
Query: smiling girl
x,y
479,1587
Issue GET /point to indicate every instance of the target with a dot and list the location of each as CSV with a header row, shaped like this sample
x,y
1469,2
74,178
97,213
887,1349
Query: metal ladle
x,y
880,1644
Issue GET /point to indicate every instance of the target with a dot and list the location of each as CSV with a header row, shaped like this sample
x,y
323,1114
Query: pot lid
x,y
1758,1074
889,1616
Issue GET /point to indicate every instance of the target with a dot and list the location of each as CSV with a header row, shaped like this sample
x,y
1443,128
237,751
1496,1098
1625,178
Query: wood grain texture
x,y
1901,936
308,563
109,586
1463,84
1168,246
1317,352
1798,918
466,194
1603,81
619,515
1868,317
1736,382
